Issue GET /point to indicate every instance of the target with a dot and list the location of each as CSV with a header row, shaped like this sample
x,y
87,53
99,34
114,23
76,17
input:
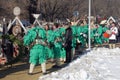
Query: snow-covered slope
x,y
98,64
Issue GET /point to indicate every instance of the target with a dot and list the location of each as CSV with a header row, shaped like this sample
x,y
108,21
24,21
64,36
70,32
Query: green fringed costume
x,y
98,35
74,34
57,39
48,47
63,51
82,34
92,33
36,35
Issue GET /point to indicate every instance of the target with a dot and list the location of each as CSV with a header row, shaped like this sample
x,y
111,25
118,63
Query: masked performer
x,y
82,35
35,39
63,52
48,40
106,33
98,34
57,45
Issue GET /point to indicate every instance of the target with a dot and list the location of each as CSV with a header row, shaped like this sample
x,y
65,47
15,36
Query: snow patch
x,y
97,64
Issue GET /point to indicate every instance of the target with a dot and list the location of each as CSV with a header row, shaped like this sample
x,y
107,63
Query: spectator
x,y
113,37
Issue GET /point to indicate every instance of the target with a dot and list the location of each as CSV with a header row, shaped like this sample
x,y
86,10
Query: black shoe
x,y
30,73
67,62
44,73
56,66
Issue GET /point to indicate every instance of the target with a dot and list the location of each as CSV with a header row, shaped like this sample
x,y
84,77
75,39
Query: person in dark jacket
x,y
68,44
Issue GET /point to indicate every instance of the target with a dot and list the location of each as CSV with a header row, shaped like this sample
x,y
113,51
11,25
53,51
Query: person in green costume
x,y
82,35
105,28
92,33
57,45
74,38
85,34
35,39
48,40
63,52
98,34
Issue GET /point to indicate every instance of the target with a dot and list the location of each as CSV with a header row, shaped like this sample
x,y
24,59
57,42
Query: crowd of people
x,y
58,41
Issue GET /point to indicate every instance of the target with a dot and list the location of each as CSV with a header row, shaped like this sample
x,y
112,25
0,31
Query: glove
x,y
78,40
81,33
64,45
96,34
84,35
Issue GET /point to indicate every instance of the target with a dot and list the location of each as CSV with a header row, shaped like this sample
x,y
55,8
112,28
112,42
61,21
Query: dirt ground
x,y
19,71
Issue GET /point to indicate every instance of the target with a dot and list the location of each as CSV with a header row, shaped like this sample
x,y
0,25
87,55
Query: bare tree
x,y
7,6
58,9
52,9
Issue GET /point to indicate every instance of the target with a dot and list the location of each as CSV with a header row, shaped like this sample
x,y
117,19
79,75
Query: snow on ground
x,y
98,64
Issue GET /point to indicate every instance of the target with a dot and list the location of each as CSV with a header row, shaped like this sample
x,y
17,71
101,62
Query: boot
x,y
73,53
57,64
43,66
31,69
110,46
114,46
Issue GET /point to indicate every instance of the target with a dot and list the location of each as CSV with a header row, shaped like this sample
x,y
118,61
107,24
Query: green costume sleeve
x,y
85,29
42,33
29,37
105,28
74,32
74,36
49,34
98,35
100,30
62,33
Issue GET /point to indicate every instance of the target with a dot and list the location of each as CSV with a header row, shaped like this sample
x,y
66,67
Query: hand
x,y
44,43
84,35
113,32
81,33
78,40
64,45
